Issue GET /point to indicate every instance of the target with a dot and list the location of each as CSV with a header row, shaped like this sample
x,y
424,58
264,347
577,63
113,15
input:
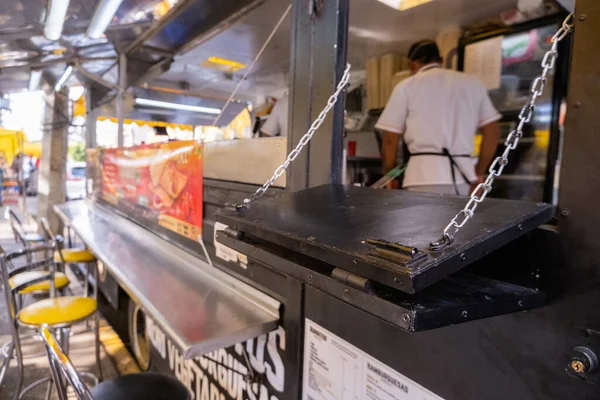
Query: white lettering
x,y
277,377
214,393
204,394
257,360
157,338
227,373
172,352
223,369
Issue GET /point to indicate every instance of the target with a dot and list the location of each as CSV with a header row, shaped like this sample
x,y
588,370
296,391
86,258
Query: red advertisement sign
x,y
157,182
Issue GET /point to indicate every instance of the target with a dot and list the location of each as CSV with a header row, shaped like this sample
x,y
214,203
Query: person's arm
x,y
392,123
490,131
487,150
389,150
389,153
272,126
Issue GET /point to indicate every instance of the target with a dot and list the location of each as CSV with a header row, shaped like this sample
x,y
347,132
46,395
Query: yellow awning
x,y
11,143
33,149
149,123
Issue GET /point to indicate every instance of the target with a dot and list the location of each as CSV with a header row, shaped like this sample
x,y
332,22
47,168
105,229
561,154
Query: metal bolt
x,y
464,314
463,257
582,17
520,228
577,366
397,281
310,277
406,318
565,212
577,104
346,292
520,304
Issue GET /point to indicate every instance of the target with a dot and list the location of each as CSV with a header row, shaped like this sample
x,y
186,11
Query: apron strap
x,y
446,153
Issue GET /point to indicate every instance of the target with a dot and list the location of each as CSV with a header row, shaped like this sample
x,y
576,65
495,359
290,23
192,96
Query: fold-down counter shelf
x,y
198,306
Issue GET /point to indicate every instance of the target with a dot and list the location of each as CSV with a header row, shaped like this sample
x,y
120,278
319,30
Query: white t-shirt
x,y
434,109
277,123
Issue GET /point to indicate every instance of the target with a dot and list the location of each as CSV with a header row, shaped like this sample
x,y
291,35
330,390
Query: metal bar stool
x,y
147,385
57,312
64,256
34,282
21,236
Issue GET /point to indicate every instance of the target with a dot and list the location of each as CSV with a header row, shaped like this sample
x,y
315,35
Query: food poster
x,y
158,182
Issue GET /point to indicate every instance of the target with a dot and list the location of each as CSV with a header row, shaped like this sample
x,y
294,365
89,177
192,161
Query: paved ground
x,y
82,339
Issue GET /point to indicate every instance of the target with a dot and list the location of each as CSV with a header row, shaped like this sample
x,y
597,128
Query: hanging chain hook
x,y
511,143
303,141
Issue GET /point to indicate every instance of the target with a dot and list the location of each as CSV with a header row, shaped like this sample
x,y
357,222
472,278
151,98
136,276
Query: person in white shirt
x,y
438,112
277,122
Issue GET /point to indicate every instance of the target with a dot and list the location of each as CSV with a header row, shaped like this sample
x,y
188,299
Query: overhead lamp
x,y
102,18
176,106
404,4
35,77
56,14
63,78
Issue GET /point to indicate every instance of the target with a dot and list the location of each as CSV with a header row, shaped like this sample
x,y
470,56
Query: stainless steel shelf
x,y
199,307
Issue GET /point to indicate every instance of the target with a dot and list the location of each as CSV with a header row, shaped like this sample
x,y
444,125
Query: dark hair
x,y
424,51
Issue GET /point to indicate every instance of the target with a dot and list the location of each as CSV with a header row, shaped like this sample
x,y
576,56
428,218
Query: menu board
x,y
484,60
336,370
160,183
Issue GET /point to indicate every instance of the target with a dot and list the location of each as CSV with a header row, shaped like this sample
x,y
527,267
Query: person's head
x,y
422,53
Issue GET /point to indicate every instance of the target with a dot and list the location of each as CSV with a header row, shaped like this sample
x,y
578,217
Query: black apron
x,y
444,153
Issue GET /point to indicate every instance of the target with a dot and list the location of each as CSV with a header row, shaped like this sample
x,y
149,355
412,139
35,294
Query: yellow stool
x,y
70,256
34,285
74,256
59,313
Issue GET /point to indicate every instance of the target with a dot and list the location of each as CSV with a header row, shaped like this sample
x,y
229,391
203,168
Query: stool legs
x,y
17,347
6,362
97,333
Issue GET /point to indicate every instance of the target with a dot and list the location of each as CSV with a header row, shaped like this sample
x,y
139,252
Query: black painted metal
x,y
461,298
317,63
332,223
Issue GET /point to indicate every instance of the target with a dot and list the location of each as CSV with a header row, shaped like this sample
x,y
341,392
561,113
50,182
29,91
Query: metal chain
x,y
304,140
511,143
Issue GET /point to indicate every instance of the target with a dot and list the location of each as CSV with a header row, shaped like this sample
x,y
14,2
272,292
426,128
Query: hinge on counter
x,y
350,279
394,251
238,235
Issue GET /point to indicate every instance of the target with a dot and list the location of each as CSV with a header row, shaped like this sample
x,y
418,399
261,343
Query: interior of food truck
x,y
209,256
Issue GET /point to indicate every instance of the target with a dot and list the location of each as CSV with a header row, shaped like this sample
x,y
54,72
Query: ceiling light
x,y
63,78
404,4
55,18
176,106
35,77
102,18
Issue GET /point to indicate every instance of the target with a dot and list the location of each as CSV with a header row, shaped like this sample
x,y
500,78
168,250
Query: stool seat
x,y
32,237
60,281
57,311
147,386
75,256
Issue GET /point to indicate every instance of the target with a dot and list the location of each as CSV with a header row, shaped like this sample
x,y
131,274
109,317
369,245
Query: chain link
x,y
304,140
511,143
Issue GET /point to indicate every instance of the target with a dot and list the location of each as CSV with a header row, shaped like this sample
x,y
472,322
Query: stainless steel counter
x,y
199,307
